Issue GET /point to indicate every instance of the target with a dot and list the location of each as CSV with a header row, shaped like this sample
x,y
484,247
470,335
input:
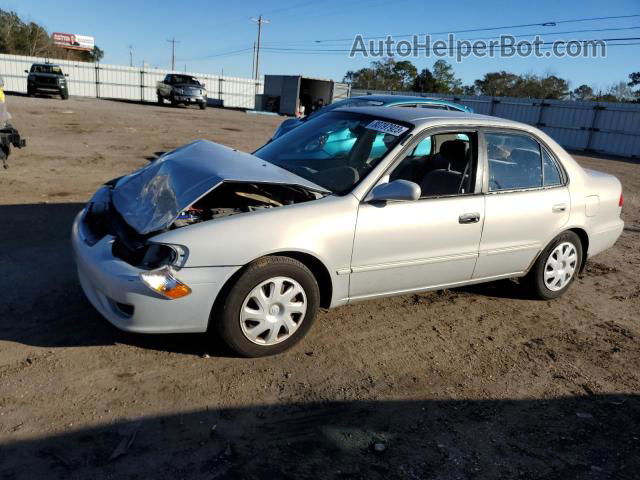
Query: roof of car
x,y
404,98
420,116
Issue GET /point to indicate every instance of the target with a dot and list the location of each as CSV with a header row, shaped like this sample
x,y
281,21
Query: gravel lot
x,y
467,383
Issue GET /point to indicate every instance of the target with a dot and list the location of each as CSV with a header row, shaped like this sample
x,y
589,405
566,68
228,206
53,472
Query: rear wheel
x,y
272,305
203,105
556,267
160,100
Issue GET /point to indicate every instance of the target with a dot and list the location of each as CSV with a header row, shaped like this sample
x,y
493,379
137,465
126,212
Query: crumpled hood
x,y
152,198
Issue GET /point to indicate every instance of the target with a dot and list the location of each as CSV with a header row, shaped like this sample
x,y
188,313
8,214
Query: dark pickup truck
x,y
47,78
181,89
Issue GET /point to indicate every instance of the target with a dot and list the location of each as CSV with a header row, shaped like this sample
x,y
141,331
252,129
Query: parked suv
x,y
183,89
47,78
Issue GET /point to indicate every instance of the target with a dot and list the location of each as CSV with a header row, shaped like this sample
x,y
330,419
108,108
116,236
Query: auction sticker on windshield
x,y
387,127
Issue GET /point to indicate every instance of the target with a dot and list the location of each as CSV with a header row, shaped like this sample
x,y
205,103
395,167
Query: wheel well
x,y
584,239
312,263
319,271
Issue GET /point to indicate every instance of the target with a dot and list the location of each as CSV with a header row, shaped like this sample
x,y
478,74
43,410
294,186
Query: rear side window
x,y
433,106
550,170
515,162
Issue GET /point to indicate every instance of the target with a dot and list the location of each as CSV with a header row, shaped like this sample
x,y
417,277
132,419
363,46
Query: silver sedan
x,y
356,204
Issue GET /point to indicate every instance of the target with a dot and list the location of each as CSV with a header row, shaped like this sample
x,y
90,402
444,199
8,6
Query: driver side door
x,y
405,246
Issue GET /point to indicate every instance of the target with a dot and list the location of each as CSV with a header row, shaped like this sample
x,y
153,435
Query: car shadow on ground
x,y
44,305
575,437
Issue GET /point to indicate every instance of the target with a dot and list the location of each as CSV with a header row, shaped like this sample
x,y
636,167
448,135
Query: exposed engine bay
x,y
229,198
232,198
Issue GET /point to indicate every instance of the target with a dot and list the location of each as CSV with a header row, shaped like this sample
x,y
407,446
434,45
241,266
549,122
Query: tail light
x,y
621,201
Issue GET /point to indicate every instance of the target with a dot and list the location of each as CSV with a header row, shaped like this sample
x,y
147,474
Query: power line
x,y
520,35
484,29
449,49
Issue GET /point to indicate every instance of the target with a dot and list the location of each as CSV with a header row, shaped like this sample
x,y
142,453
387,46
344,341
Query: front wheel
x,y
556,267
271,307
64,95
203,105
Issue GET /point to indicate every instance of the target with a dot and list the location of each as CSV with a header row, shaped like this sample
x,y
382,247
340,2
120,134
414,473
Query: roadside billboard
x,y
73,41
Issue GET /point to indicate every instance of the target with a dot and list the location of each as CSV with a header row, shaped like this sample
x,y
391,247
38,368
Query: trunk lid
x,y
152,198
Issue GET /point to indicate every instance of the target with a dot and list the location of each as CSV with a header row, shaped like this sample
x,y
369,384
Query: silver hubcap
x,y
273,311
560,266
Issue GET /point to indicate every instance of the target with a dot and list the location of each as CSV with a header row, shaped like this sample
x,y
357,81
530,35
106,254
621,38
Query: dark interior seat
x,y
446,180
451,152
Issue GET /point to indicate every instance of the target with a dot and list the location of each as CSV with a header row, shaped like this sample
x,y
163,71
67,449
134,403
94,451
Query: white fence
x,y
127,83
604,127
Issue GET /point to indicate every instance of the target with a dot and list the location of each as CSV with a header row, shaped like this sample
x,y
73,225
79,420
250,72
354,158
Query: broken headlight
x,y
159,255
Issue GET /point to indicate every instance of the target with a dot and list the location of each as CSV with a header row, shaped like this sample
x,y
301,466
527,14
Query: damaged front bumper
x,y
116,290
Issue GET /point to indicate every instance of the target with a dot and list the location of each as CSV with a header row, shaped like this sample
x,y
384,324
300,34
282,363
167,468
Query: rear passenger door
x,y
527,202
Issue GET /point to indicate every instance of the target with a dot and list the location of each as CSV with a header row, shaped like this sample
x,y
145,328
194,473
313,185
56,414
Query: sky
x,y
217,36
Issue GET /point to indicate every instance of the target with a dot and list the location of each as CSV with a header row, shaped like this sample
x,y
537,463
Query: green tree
x,y
505,84
384,74
583,92
94,55
28,38
424,82
497,84
446,81
634,80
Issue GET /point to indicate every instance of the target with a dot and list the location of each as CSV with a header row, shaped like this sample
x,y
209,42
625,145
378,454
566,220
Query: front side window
x,y
515,162
335,150
442,164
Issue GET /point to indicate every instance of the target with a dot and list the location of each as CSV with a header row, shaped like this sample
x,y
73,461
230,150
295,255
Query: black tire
x,y
535,281
227,318
64,95
160,100
30,92
203,105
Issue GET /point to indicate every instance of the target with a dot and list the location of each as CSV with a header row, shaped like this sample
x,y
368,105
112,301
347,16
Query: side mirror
x,y
66,74
26,71
398,190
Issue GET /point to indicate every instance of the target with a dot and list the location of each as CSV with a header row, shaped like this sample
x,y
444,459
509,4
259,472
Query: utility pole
x,y
259,21
253,61
173,42
131,55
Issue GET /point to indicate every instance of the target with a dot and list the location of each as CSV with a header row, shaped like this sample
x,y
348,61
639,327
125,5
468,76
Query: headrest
x,y
456,152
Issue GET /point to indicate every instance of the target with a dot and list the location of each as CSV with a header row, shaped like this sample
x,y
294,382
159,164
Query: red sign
x,y
73,41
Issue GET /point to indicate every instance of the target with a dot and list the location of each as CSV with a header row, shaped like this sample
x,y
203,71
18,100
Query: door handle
x,y
469,218
559,207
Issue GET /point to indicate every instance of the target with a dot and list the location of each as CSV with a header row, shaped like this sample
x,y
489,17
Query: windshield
x,y
185,79
335,150
46,69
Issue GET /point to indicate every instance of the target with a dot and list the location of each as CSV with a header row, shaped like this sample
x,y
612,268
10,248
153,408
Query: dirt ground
x,y
468,383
